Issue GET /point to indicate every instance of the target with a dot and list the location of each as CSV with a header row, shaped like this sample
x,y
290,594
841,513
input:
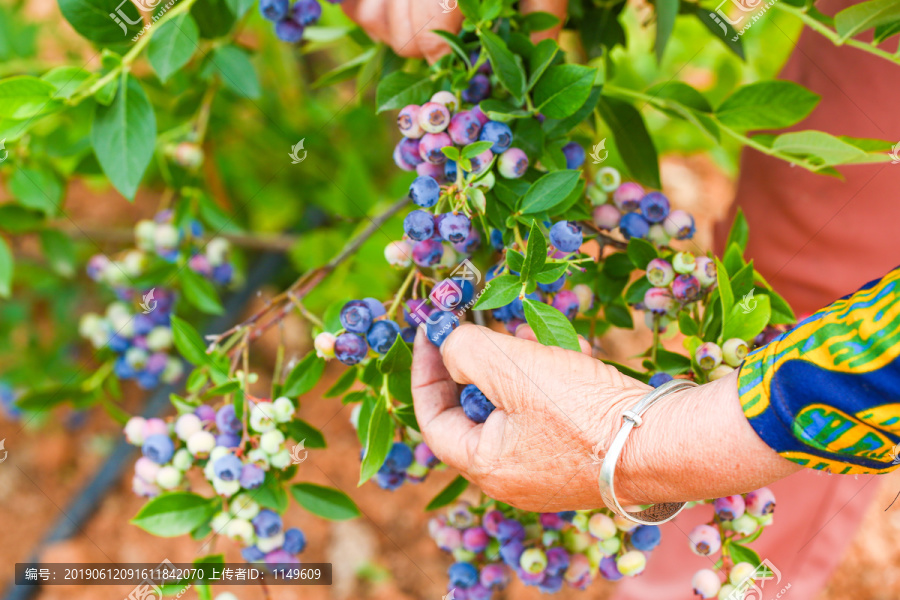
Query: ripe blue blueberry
x,y
389,480
294,541
470,244
479,89
551,584
566,236
356,316
267,523
511,551
497,239
557,560
633,225
574,154
450,171
499,134
510,529
289,30
608,568
425,191
462,575
228,468
228,440
350,348
399,458
252,554
419,225
440,324
475,404
455,227
428,253
376,308
252,476
464,128
645,537
227,421
274,10
159,448
306,12
660,378
381,336
655,207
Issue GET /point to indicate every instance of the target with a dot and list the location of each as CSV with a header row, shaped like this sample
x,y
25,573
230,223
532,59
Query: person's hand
x,y
406,25
536,450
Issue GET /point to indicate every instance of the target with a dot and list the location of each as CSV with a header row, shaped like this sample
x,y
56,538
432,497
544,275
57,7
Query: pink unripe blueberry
x,y
740,572
606,217
719,372
685,288
408,121
729,508
657,234
464,128
143,488
475,539
433,117
446,98
430,147
436,172
705,271
660,272
146,469
601,526
479,114
401,161
627,197
424,456
533,561
705,540
324,344
760,502
187,425
631,563
608,179
513,163
482,161
448,538
708,355
658,300
398,254
585,297
706,583
155,427
684,262
734,351
491,522
494,576
567,303
679,224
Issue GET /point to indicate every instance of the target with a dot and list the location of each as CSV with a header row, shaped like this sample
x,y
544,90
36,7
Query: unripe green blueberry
x,y
173,371
706,583
165,236
159,339
624,524
226,488
241,529
219,522
725,592
270,543
658,235
581,521
550,537
417,470
201,444
631,563
182,459
448,99
533,531
602,526
271,441
324,344
745,524
533,560
134,430
281,460
719,372
684,262
734,351
487,182
577,541
188,155
660,272
610,546
261,417
765,520
115,275
462,555
134,262
217,251
144,233
136,357
740,572
608,179
187,425
244,506
284,409
259,458
708,355
585,297
595,554
119,315
168,477
596,195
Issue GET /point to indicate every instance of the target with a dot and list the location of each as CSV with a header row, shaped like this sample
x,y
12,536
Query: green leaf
x,y
48,397
865,15
91,19
397,359
720,28
666,11
199,291
238,74
347,70
554,128
490,9
24,97
740,553
740,231
271,494
748,318
37,188
687,325
563,90
240,7
515,260
632,140
59,251
473,150
455,44
379,439
400,386
304,376
229,387
723,285
829,149
535,253
347,379
550,326
172,45
539,21
619,316
407,415
548,191
399,89
325,502
450,493
507,69
541,57
672,362
301,431
124,135
188,342
734,260
767,105
470,9
175,513
498,292
637,290
618,266
551,273
641,252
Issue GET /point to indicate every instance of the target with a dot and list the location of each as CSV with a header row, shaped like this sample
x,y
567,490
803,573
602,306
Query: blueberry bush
x,y
497,203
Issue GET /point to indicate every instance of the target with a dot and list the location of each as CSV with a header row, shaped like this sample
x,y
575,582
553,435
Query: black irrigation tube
x,y
80,509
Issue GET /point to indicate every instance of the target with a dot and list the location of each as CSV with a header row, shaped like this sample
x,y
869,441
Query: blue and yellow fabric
x,y
826,394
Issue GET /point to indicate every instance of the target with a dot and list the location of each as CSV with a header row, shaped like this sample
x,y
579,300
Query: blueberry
x,y
655,207
252,476
462,575
760,502
267,523
728,508
485,67
222,274
274,10
228,440
574,154
513,163
705,540
517,307
566,236
118,344
228,468
415,312
685,288
159,448
479,89
381,336
499,134
399,458
252,554
659,378
400,159
627,197
608,568
440,325
553,287
350,348
389,481
511,551
424,456
428,253
475,404
419,225
433,117
294,541
410,152
289,30
306,12
408,121
646,537
557,560
430,147
455,227
375,307
436,172
147,380
227,421
356,316
679,224
470,244
464,128
482,161
567,303
450,171
497,239
551,584
449,294
425,191
633,225
408,334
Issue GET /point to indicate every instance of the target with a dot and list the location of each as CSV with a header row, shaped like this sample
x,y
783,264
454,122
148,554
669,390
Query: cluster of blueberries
x,y
365,326
405,463
542,549
290,21
233,463
137,326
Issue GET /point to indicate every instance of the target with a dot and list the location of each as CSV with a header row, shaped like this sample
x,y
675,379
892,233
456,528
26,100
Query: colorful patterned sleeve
x,y
826,395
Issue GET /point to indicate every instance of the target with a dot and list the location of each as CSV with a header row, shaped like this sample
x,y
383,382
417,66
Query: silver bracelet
x,y
656,513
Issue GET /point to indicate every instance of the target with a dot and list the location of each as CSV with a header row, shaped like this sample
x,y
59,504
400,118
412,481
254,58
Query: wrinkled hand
x,y
553,406
406,25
